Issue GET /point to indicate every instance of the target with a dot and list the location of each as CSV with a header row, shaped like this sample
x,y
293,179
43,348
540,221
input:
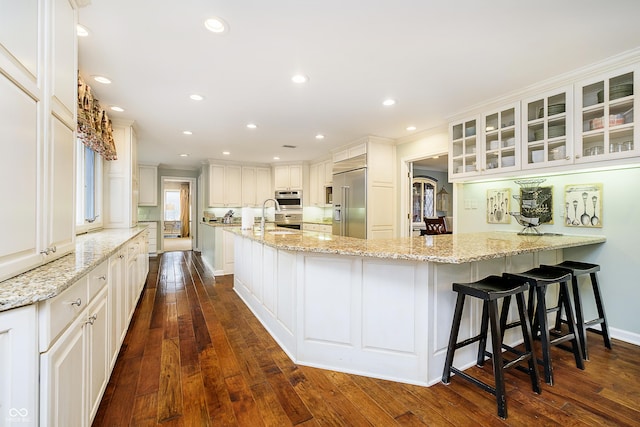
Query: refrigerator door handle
x,y
345,210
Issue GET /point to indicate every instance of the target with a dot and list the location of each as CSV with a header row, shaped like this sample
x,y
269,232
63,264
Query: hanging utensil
x,y
584,218
594,219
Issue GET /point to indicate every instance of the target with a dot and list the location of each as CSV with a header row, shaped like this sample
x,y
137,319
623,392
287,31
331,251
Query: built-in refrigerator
x,y
350,197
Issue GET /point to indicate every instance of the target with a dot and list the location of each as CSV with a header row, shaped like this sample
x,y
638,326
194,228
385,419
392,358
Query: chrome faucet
x,y
264,207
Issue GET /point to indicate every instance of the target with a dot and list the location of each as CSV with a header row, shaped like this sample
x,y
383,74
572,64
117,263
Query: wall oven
x,y
289,200
289,220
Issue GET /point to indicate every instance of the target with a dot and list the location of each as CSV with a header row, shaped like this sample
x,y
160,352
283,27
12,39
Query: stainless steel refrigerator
x,y
350,197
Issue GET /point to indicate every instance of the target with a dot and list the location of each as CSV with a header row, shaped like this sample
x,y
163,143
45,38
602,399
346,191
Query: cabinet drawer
x,y
98,279
57,313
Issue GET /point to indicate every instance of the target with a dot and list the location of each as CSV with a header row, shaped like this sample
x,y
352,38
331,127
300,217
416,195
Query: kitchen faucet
x,y
264,207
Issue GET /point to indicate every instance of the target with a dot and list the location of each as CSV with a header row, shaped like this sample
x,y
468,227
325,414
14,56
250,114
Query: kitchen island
x,y
379,308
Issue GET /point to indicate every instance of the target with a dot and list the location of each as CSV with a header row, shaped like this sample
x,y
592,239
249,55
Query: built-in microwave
x,y
289,200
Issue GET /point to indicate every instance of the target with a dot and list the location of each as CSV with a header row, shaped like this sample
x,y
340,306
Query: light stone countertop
x,y
51,279
445,248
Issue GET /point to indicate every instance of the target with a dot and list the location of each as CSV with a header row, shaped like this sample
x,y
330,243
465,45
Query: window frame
x,y
83,224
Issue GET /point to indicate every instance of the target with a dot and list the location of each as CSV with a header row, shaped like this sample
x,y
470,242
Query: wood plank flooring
x,y
195,356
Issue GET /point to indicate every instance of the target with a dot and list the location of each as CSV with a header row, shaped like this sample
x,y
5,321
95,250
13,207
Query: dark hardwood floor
x,y
196,356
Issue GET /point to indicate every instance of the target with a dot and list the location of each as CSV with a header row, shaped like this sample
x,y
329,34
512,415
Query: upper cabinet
x,y
320,177
584,122
464,147
225,185
38,90
547,126
288,177
148,184
256,185
500,146
120,180
606,116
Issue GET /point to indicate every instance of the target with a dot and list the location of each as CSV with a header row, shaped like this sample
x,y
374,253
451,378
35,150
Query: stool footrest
x,y
482,385
468,341
594,322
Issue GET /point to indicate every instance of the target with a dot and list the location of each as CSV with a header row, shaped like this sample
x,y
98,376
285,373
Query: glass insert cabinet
x,y
423,199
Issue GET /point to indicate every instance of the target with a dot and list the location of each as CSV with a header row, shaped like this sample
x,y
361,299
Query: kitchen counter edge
x,y
51,279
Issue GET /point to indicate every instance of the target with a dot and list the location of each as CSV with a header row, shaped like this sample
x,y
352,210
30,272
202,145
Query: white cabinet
x,y
37,102
464,147
288,177
606,113
225,185
117,303
256,185
547,129
153,237
500,143
320,228
148,184
75,357
318,182
18,367
120,180
349,152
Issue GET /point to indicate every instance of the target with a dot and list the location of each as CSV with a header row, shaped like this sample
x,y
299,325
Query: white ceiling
x,y
436,58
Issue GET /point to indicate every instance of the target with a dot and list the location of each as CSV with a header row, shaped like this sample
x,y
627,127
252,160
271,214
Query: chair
x,y
490,290
434,226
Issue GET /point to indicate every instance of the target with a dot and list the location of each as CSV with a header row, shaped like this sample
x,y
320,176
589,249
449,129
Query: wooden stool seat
x,y
539,279
490,290
579,269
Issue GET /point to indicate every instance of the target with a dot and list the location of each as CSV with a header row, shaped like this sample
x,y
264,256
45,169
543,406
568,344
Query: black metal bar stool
x,y
539,279
578,269
490,290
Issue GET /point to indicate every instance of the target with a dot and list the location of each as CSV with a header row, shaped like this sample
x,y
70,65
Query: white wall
x,y
618,257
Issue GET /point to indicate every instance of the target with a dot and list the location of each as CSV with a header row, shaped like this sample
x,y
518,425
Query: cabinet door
x,y
295,176
97,337
464,147
61,184
216,185
500,148
116,300
606,113
148,184
547,129
281,177
20,177
314,184
18,366
328,173
62,380
263,185
249,189
233,185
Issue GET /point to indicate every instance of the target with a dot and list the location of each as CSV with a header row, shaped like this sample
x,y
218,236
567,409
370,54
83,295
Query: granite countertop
x,y
51,279
445,248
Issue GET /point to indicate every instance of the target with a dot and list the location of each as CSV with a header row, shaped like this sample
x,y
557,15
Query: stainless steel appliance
x,y
350,197
289,220
289,200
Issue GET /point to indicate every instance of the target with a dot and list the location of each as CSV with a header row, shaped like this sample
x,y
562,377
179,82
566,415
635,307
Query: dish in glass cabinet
x,y
508,161
556,109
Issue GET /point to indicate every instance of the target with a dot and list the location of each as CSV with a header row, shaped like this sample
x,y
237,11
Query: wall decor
x,y
498,206
583,205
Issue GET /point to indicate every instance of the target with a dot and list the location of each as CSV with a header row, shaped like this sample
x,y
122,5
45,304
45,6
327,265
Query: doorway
x,y
177,224
435,168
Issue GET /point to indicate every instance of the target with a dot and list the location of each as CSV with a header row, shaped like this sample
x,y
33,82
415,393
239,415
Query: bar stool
x,y
578,269
539,279
490,290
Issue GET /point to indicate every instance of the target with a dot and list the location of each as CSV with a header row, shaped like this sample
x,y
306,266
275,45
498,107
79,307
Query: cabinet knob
x,y
91,320
120,256
77,302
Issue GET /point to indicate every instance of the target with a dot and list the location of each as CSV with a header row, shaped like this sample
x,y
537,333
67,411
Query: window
x,y
172,205
89,188
423,196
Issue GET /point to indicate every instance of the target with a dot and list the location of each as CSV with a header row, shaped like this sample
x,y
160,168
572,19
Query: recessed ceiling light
x,y
388,102
187,132
411,128
252,125
102,79
82,31
319,136
184,155
435,157
196,97
299,78
225,153
118,109
276,158
216,25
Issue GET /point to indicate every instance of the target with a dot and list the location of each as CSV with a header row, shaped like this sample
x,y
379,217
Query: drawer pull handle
x,y
91,319
103,277
77,302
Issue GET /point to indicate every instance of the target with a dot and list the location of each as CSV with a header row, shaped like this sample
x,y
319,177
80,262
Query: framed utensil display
x,y
583,205
498,206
